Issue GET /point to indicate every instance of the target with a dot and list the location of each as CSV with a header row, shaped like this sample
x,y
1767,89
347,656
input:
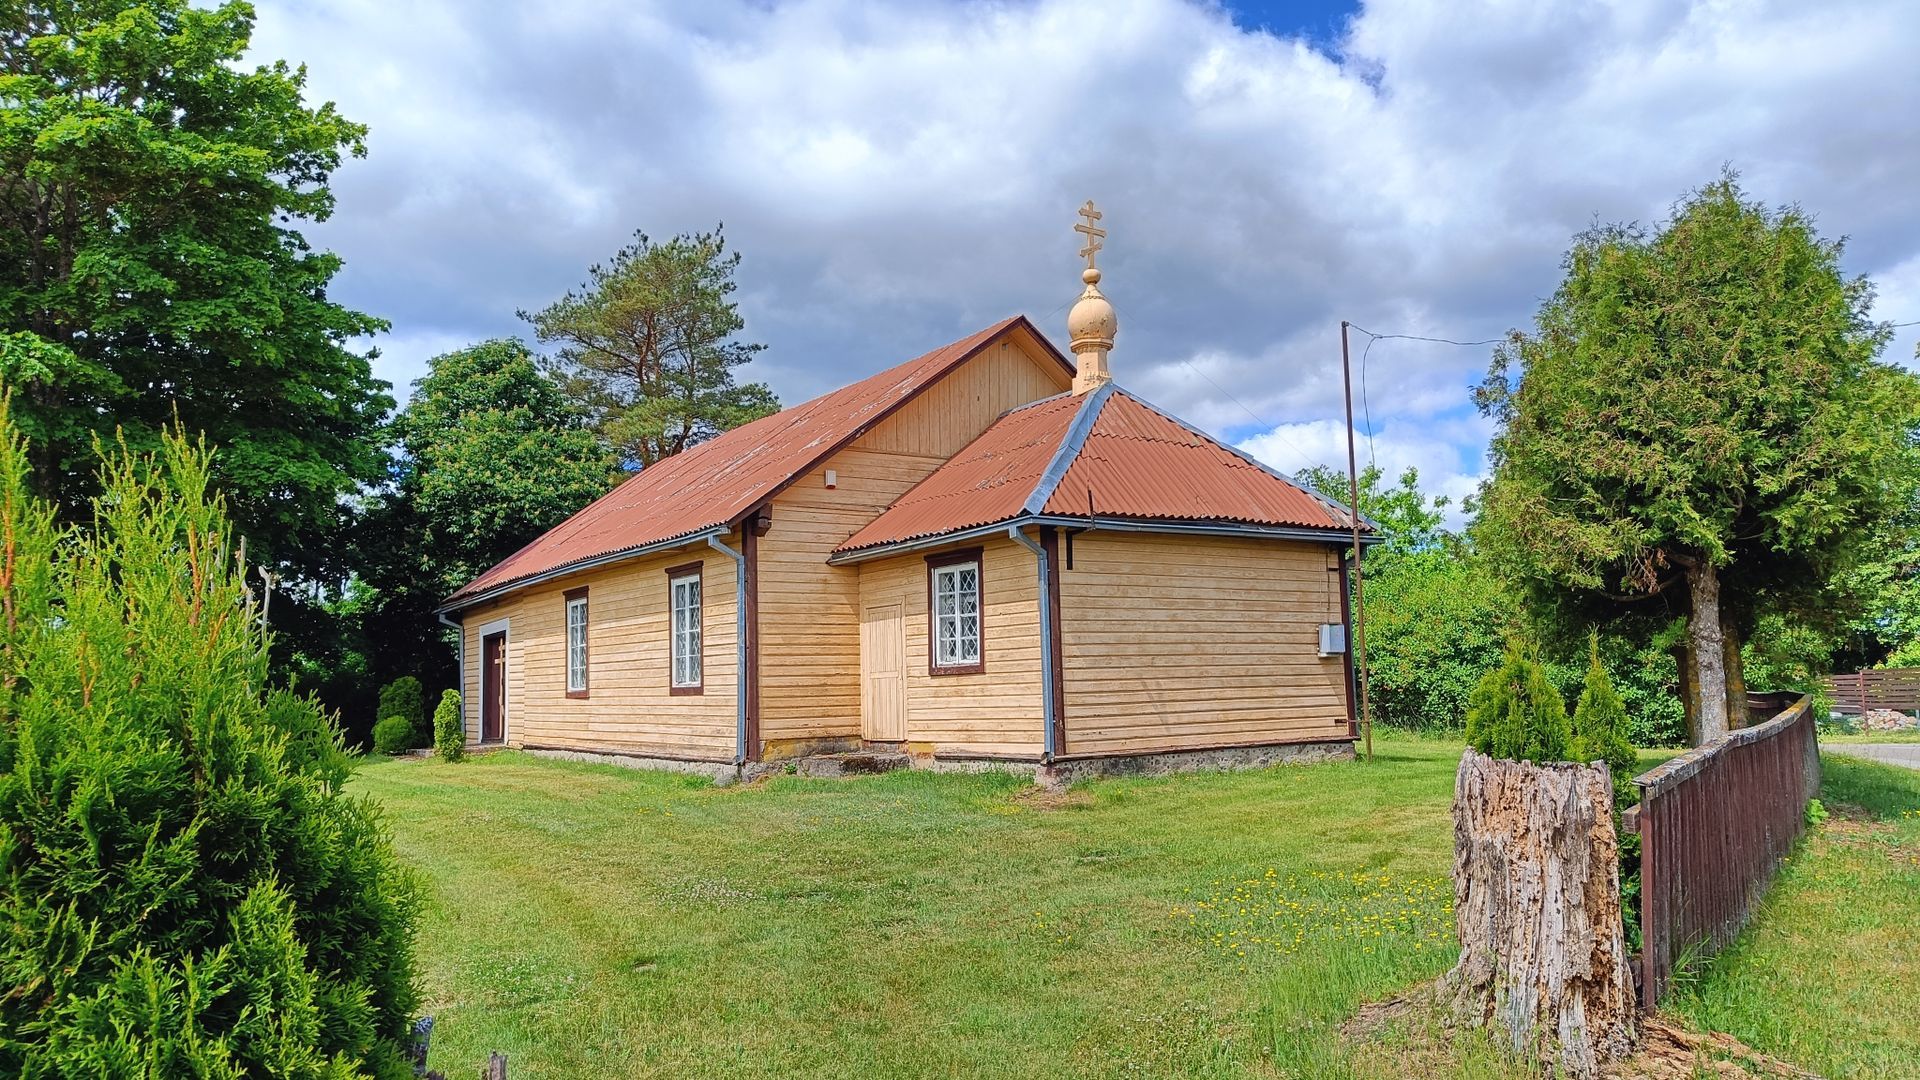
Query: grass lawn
x,y
1829,975
602,922
593,921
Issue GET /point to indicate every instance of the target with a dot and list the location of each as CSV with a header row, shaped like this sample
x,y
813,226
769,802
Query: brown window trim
x,y
699,572
586,659
976,556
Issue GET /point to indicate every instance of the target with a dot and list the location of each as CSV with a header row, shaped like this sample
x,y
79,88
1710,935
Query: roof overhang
x,y
461,603
1106,524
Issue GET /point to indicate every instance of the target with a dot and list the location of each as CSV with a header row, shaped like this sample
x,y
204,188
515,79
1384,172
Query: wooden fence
x,y
1886,688
1714,824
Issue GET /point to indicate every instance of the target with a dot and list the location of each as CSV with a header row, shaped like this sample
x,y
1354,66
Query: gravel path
x,y
1907,754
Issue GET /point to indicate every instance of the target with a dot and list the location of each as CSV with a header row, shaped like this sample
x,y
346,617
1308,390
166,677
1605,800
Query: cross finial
x,y
1094,233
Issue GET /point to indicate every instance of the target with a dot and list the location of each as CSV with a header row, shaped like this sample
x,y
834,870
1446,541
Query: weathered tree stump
x,y
1536,888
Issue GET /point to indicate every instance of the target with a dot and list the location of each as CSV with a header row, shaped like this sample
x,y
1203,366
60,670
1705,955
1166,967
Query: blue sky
x,y
900,174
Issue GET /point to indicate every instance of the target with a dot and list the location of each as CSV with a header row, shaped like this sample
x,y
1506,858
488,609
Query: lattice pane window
x,y
577,644
686,630
956,607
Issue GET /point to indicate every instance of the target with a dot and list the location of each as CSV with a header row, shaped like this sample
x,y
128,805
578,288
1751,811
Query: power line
x,y
1272,428
1366,407
1419,337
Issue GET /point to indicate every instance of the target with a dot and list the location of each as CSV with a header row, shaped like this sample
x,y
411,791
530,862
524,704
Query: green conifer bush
x,y
449,736
184,889
1515,713
394,735
403,697
1600,727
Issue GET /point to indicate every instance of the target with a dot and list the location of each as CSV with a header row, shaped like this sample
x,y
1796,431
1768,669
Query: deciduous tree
x,y
152,269
489,457
1698,420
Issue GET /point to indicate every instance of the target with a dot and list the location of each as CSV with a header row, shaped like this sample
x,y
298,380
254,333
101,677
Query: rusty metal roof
x,y
715,484
1105,455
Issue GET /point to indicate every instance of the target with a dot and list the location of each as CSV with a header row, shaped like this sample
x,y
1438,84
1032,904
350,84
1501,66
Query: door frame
x,y
504,628
900,606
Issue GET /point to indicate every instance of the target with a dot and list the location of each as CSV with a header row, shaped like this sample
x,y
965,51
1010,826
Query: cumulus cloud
x,y
899,174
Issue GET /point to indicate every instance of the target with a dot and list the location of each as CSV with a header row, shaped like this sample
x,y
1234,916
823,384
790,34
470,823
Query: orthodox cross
x,y
1093,233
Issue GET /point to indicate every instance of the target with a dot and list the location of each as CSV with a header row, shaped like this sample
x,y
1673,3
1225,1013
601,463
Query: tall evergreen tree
x,y
647,347
1698,424
152,268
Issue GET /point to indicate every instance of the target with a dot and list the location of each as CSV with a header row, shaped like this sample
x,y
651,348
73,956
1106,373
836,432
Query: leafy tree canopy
x,y
647,347
151,269
1700,406
490,456
1407,519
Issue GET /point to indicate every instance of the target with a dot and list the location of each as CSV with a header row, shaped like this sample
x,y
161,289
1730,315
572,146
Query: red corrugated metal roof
x,y
1107,455
988,481
1139,462
719,481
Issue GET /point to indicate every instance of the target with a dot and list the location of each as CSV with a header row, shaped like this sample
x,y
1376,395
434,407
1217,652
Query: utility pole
x,y
1359,575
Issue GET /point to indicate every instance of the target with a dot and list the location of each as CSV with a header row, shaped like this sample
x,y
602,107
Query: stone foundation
x,y
1058,775
1073,770
720,772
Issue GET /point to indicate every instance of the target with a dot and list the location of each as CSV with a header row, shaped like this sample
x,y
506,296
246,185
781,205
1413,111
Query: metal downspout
x,y
740,644
460,651
1015,534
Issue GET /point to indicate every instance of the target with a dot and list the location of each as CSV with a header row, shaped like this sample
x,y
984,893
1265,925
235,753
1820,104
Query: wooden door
x,y
883,684
493,687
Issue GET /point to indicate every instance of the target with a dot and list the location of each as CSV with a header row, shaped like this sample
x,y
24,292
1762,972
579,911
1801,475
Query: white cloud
x,y
899,174
1436,450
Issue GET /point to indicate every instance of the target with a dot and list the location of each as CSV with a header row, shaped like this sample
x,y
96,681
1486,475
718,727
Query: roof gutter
x,y
1019,536
575,567
740,645
1192,528
460,652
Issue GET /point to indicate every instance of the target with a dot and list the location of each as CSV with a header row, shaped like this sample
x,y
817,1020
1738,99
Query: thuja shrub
x,y
449,735
403,697
184,889
1516,713
394,735
1600,727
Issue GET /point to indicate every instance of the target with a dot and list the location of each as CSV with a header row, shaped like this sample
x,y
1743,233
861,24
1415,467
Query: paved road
x,y
1907,754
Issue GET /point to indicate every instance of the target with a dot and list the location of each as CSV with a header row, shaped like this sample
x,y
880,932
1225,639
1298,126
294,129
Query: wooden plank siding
x,y
809,612
997,712
1182,643
627,708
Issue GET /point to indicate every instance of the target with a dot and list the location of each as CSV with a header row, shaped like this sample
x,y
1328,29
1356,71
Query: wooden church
x,y
990,555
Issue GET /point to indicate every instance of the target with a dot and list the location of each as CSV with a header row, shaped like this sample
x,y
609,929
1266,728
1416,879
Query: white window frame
x,y
685,611
577,645
949,619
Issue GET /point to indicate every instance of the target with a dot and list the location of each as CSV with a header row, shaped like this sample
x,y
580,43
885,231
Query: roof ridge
x,y
1070,446
716,483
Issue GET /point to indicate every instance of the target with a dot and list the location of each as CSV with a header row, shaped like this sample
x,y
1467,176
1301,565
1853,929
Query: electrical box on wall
x,y
1333,639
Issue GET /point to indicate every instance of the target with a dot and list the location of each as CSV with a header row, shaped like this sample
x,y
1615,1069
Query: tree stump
x,y
1536,888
